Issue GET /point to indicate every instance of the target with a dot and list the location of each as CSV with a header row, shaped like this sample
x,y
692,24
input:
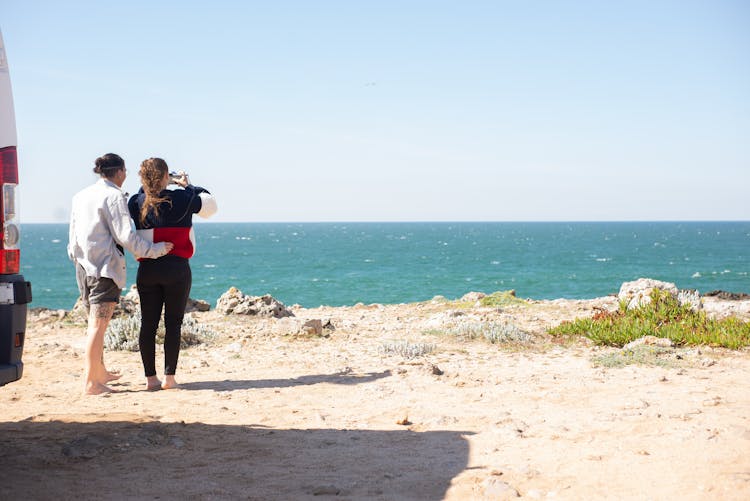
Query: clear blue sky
x,y
392,110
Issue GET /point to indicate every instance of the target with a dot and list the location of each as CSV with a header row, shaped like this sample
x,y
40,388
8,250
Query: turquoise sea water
x,y
344,263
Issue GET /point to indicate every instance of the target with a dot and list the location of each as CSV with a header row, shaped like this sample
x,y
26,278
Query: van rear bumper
x,y
15,294
10,372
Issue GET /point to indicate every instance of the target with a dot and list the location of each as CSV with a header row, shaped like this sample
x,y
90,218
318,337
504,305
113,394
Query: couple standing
x,y
100,230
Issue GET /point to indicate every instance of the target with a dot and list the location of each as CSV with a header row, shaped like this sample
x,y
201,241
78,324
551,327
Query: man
x,y
99,229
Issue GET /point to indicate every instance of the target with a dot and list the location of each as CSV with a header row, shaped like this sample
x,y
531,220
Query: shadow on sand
x,y
342,378
149,459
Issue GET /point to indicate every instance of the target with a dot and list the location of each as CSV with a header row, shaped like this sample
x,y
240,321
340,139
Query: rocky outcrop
x,y
235,302
717,307
125,307
130,304
649,341
638,293
294,326
728,296
131,301
473,296
196,305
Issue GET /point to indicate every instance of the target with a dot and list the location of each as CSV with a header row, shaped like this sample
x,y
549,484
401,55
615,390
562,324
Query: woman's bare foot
x,y
96,388
153,383
169,383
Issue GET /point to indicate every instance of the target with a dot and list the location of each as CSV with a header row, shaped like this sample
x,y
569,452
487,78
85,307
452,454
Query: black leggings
x,y
162,282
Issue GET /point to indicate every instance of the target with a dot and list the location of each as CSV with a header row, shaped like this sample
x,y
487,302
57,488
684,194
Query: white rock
x,y
233,301
638,292
495,488
649,340
473,296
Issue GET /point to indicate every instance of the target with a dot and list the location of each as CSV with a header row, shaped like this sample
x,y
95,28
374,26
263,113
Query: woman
x,y
165,215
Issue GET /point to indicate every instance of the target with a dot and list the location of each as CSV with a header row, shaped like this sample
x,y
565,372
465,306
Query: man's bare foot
x,y
104,376
96,388
169,383
153,383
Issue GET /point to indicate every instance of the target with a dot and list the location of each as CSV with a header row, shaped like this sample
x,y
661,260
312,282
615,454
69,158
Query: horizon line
x,y
448,221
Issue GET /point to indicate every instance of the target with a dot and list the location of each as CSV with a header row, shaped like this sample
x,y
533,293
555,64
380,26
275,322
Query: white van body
x,y
7,116
15,292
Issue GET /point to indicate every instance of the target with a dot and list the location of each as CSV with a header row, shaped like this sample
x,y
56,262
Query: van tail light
x,y
9,253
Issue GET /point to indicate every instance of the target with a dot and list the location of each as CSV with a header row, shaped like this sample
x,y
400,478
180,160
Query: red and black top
x,y
175,221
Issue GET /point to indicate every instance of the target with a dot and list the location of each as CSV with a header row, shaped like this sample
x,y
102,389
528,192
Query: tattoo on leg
x,y
103,310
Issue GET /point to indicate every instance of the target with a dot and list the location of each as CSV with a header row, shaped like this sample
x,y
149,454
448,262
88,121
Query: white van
x,y
15,292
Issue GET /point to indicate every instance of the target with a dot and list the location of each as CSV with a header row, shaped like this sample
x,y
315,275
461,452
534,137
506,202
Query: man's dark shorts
x,y
96,290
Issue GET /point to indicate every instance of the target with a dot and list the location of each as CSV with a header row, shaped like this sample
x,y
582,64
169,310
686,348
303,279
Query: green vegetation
x,y
638,355
497,299
122,333
493,332
406,349
662,317
501,298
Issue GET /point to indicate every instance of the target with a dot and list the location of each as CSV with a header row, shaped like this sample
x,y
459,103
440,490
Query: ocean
x,y
313,264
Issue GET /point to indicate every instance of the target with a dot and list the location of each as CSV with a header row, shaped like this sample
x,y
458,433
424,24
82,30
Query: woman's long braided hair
x,y
152,173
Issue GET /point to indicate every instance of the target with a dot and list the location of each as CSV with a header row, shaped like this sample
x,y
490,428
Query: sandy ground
x,y
267,415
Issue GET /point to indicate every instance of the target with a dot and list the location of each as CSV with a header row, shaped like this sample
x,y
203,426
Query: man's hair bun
x,y
107,164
